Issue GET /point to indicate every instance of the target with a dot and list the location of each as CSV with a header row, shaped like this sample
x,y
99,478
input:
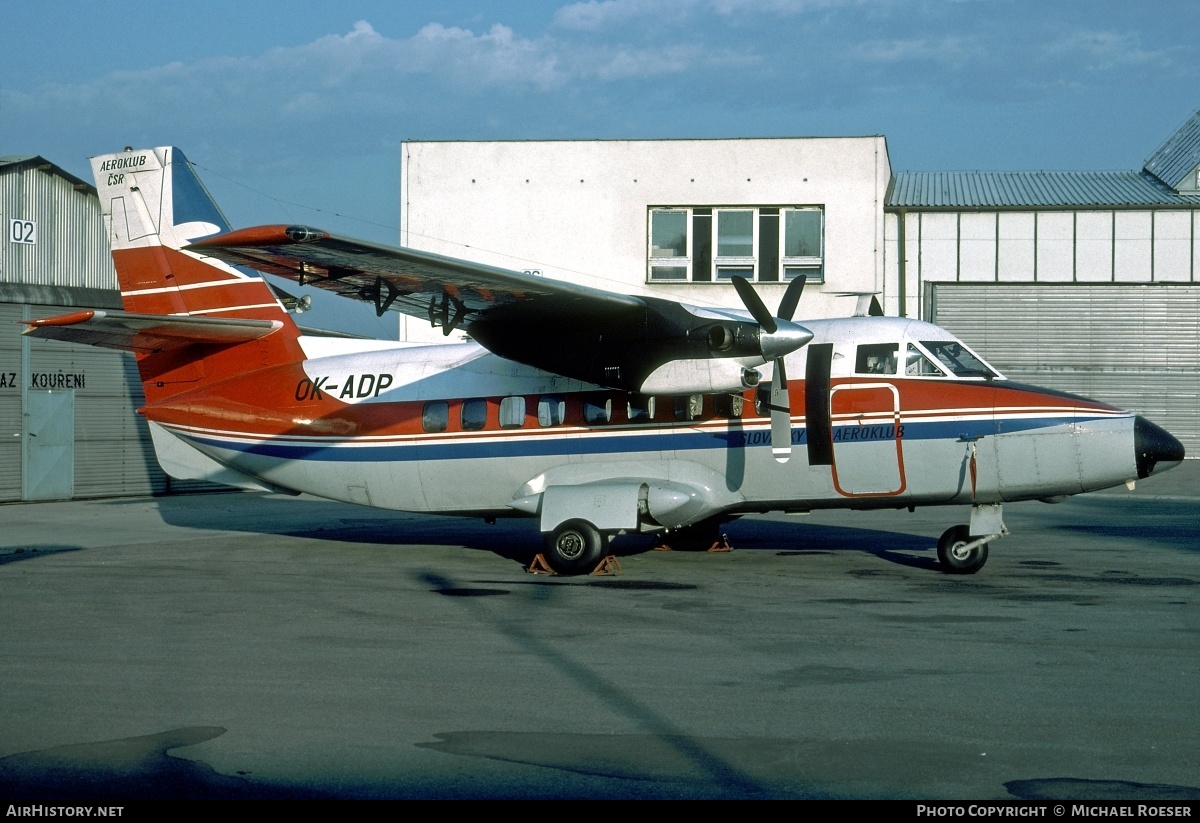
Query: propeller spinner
x,y
779,337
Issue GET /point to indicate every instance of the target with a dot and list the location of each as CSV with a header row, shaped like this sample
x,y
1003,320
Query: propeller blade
x,y
791,297
781,415
754,304
776,344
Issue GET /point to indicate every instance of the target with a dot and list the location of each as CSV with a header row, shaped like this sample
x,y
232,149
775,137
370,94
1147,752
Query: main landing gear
x,y
575,547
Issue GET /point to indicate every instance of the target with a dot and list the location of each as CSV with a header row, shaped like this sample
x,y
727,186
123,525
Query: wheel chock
x,y
540,566
607,567
721,545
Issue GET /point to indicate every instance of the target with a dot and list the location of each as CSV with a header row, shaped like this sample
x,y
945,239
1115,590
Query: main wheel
x,y
955,557
575,547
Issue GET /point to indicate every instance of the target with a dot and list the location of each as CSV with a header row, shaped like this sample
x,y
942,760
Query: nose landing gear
x,y
964,549
959,553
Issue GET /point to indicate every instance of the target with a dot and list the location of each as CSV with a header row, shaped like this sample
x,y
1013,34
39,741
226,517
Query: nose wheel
x,y
959,553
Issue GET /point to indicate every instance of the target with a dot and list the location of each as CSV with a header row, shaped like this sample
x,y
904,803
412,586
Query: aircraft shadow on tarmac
x,y
19,553
517,539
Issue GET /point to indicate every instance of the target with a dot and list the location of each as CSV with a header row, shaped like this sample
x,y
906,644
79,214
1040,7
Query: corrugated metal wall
x,y
113,455
11,426
71,250
1136,346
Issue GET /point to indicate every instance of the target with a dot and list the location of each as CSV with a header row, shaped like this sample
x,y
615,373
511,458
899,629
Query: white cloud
x,y
600,15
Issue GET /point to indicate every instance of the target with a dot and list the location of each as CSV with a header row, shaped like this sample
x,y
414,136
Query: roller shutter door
x,y
1136,346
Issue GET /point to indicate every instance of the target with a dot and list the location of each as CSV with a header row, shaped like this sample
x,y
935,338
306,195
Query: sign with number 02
x,y
22,231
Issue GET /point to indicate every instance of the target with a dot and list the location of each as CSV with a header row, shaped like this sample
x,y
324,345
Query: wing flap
x,y
147,332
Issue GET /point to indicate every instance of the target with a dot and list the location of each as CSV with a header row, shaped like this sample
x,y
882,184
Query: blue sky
x,y
294,112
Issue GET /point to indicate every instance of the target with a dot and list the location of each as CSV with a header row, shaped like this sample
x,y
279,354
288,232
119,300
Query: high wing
x,y
146,332
449,292
614,340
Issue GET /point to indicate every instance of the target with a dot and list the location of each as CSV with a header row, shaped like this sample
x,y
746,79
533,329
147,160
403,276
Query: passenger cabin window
x,y
552,411
597,410
918,365
877,358
512,412
435,416
955,357
640,409
690,407
727,405
473,416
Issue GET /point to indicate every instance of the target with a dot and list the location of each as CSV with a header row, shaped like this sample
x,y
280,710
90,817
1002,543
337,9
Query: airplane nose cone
x,y
1156,449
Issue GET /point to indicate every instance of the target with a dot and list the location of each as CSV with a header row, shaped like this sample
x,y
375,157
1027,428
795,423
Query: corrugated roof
x,y
1032,189
37,161
1179,155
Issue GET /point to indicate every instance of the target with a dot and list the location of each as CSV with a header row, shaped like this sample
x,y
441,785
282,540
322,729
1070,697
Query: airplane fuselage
x,y
455,429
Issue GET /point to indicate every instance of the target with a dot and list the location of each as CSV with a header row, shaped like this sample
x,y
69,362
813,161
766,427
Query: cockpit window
x,y
918,365
957,360
877,358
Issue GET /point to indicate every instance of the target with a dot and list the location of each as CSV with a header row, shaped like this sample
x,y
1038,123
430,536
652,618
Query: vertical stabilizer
x,y
154,204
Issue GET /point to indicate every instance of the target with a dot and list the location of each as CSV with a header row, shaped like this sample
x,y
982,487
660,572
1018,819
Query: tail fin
x,y
154,204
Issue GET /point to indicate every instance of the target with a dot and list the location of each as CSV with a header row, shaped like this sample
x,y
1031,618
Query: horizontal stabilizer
x,y
147,332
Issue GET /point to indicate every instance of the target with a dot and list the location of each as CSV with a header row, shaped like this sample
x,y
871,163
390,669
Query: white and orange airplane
x,y
593,412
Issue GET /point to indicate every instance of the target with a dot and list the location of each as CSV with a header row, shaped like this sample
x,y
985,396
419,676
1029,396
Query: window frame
x,y
790,266
660,262
718,268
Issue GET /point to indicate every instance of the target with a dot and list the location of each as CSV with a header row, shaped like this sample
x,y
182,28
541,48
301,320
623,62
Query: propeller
x,y
779,337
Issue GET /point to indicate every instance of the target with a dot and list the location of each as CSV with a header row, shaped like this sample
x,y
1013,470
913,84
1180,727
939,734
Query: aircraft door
x,y
868,452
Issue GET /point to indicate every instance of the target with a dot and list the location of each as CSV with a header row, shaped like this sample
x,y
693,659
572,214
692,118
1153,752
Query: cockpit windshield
x,y
956,359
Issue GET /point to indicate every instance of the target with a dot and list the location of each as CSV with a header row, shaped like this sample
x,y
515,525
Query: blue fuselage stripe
x,y
475,447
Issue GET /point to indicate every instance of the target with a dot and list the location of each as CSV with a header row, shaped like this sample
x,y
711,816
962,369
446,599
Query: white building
x,y
675,218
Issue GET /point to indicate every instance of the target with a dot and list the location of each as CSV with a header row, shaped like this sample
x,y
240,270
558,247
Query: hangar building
x,y
68,426
1081,281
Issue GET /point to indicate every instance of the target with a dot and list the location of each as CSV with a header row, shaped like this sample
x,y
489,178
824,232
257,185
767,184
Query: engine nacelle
x,y
707,376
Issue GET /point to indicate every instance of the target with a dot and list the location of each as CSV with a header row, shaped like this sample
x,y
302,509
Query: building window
x,y
701,244
803,249
735,243
669,250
